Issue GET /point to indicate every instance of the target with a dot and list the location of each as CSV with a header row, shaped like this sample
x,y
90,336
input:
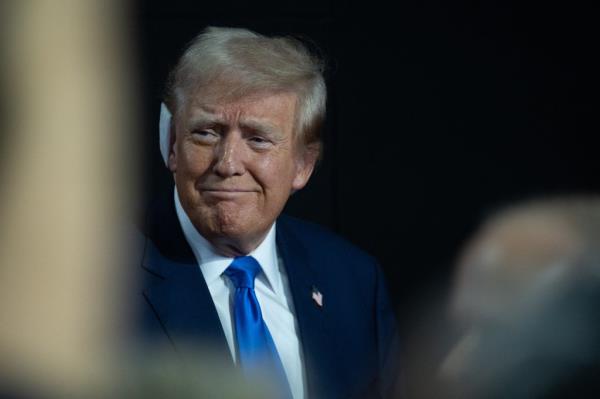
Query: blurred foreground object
x,y
68,188
526,299
67,169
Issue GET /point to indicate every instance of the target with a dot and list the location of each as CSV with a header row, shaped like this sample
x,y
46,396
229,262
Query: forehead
x,y
272,108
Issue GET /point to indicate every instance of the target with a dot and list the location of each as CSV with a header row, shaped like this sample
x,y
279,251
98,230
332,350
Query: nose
x,y
230,156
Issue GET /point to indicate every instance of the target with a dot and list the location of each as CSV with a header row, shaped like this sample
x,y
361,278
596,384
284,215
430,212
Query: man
x,y
244,135
526,297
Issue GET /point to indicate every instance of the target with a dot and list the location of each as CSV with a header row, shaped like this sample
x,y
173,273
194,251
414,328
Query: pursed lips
x,y
227,190
226,193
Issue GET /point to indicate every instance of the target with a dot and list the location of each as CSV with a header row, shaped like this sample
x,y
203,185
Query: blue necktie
x,y
255,348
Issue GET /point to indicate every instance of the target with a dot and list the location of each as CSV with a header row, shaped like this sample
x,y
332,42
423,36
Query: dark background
x,y
438,113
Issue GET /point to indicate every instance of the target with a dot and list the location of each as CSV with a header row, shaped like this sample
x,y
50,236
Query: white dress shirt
x,y
272,291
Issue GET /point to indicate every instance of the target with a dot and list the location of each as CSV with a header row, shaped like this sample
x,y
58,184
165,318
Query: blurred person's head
x,y
247,111
525,296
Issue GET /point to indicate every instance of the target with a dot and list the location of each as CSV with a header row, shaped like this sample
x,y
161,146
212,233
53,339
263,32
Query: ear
x,y
172,161
305,165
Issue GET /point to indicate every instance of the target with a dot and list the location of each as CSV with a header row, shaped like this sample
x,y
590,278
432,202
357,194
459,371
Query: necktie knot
x,y
243,271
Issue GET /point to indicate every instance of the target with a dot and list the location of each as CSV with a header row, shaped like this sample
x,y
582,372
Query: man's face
x,y
235,165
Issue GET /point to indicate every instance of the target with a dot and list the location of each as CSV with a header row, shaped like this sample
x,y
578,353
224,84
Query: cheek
x,y
277,169
274,180
194,160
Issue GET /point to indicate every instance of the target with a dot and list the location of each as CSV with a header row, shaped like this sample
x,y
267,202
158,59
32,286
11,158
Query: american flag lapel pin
x,y
317,296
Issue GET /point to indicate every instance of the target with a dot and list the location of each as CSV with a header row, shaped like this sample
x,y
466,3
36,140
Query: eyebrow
x,y
204,117
261,126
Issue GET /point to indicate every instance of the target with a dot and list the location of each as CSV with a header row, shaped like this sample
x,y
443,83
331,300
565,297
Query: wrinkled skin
x,y
235,164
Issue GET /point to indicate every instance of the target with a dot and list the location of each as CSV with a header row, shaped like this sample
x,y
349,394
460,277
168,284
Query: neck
x,y
233,247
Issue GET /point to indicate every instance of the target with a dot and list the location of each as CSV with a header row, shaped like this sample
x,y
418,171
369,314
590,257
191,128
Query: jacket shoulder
x,y
321,242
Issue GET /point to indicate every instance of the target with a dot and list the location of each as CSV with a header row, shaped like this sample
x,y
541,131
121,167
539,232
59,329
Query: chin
x,y
233,223
238,225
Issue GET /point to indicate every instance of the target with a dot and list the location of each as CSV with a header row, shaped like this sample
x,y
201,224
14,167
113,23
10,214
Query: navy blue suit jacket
x,y
346,343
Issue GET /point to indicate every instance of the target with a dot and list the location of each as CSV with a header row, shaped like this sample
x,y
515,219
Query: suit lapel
x,y
178,293
317,344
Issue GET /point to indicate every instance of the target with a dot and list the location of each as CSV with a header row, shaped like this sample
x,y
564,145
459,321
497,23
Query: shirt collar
x,y
213,265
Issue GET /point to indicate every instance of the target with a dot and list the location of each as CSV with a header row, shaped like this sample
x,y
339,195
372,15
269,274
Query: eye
x,y
259,142
258,139
208,136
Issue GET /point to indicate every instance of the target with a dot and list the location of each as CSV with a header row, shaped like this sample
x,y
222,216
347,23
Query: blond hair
x,y
232,62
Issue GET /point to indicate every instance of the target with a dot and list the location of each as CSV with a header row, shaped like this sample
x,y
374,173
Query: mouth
x,y
226,193
227,190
